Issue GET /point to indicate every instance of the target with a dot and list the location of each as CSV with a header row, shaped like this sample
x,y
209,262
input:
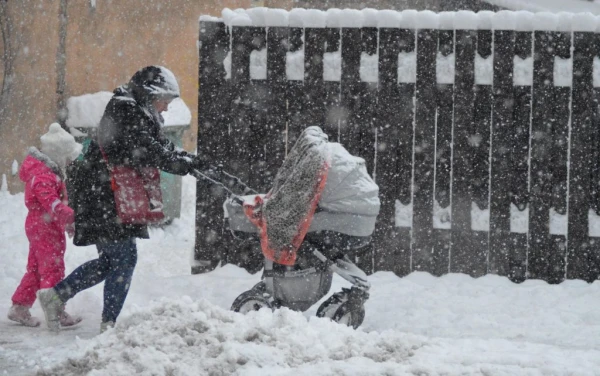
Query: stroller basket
x,y
300,289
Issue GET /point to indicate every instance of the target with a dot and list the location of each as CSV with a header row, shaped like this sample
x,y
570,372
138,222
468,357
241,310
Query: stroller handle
x,y
234,196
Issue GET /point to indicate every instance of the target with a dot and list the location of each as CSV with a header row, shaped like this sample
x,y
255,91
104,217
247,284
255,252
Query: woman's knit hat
x,y
154,82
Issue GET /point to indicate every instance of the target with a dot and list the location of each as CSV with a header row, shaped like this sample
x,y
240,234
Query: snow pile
x,y
567,17
166,254
85,111
177,114
13,217
184,337
417,325
174,323
3,184
14,168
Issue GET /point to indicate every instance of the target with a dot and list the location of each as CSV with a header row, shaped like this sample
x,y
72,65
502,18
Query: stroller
x,y
322,205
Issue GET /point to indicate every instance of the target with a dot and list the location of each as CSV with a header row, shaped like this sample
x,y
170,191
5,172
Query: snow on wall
x,y
388,18
442,217
178,114
519,220
593,224
369,67
504,20
524,18
523,71
484,70
445,68
596,71
227,65
480,218
294,65
466,20
258,64
411,19
484,21
558,223
524,21
446,20
85,111
332,65
404,214
555,6
563,71
407,67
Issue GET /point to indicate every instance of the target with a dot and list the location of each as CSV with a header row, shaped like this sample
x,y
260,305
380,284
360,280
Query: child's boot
x,y
67,320
21,314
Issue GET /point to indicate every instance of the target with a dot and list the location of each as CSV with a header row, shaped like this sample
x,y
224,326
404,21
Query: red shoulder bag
x,y
137,193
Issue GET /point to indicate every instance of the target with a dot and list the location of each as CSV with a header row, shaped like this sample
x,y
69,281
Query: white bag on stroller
x,y
344,219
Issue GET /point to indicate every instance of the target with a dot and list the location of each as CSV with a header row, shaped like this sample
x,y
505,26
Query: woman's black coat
x,y
130,134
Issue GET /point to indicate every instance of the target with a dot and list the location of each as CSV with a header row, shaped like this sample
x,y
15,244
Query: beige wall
x,y
105,45
32,100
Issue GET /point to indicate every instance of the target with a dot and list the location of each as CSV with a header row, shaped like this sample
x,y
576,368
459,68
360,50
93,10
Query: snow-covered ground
x,y
175,323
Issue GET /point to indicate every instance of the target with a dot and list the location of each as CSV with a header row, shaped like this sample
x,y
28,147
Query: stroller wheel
x,y
248,301
351,316
341,309
331,305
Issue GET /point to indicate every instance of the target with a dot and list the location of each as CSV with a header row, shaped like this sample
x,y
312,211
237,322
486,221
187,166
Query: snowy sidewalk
x,y
179,324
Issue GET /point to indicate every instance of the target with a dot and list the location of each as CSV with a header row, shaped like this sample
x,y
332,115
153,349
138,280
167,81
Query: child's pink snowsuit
x,y
46,199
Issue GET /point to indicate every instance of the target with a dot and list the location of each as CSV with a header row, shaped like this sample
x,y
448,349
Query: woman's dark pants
x,y
114,266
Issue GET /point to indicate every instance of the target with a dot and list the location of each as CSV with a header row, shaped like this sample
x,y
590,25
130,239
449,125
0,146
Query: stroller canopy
x,y
320,186
350,202
349,187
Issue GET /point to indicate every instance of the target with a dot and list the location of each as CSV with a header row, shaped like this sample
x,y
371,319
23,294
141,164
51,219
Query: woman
x,y
129,135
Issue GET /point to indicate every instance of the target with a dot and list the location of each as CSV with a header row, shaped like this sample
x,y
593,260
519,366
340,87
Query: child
x,y
49,216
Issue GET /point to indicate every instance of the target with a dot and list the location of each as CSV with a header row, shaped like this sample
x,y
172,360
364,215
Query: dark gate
x,y
482,133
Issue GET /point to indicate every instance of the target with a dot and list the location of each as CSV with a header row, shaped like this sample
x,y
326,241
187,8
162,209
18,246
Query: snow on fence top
x,y
574,6
410,19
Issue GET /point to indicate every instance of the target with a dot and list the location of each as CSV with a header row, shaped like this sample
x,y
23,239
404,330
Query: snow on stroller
x,y
322,204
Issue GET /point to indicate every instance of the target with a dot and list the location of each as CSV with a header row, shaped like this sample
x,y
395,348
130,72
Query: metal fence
x,y
482,133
